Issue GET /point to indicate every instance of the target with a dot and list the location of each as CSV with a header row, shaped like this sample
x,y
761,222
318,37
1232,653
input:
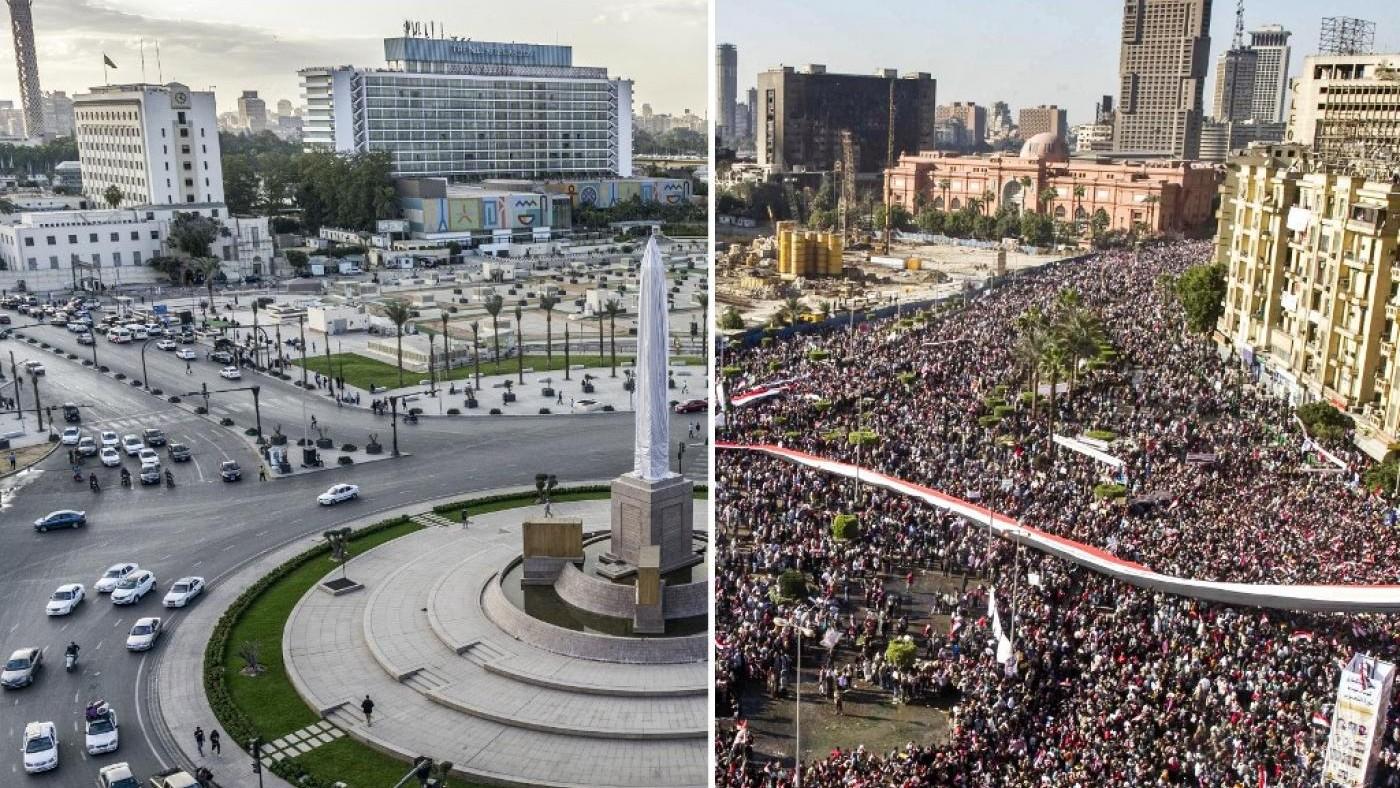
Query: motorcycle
x,y
93,485
70,661
169,479
126,478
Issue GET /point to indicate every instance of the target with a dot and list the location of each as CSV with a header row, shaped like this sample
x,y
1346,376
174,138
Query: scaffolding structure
x,y
1346,35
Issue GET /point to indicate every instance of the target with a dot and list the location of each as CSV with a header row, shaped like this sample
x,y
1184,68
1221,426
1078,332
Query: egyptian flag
x,y
107,61
1319,719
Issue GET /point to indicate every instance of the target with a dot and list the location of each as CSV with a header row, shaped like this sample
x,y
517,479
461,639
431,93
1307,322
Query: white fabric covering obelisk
x,y
653,418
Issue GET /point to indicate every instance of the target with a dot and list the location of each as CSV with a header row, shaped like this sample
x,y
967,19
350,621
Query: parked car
x,y
65,600
588,406
143,634
131,588
114,574
693,406
221,356
85,338
21,668
63,518
183,591
338,494
35,368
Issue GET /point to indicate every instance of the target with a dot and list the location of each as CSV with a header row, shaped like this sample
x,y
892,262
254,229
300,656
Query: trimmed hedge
x,y
1102,435
862,438
989,420
901,652
1002,411
1110,491
238,727
845,526
818,355
792,584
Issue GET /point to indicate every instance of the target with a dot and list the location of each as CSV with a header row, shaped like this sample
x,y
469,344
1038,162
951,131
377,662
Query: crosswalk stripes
x,y
432,520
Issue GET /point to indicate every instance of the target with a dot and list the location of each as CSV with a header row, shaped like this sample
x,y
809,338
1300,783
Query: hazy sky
x,y
1024,52
236,45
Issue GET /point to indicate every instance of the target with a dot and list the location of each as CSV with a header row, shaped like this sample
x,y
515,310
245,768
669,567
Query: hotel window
x,y
28,241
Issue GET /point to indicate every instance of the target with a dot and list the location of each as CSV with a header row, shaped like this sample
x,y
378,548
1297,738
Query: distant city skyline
x,y
1022,52
662,45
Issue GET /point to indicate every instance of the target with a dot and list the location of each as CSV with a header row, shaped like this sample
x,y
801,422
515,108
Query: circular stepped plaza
x,y
459,673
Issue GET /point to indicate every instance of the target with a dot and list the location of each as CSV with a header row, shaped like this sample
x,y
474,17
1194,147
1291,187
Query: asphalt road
x,y
207,527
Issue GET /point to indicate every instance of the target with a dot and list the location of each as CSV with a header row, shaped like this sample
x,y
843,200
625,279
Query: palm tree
x,y
987,197
398,312
113,196
824,309
446,359
493,306
547,303
1032,341
476,351
1079,192
613,308
1047,196
945,184
601,354
1151,201
1025,187
519,348
1079,333
207,267
791,310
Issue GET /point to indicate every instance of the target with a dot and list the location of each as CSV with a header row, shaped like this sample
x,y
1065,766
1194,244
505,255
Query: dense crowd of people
x,y
1106,684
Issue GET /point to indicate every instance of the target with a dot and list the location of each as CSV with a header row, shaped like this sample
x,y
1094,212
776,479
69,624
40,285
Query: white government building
x,y
468,110
159,145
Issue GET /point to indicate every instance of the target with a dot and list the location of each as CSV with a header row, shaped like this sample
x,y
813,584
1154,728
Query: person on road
x,y
367,706
262,473
199,740
188,370
12,461
214,745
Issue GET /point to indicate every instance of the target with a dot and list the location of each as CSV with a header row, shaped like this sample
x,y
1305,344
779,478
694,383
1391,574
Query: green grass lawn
x,y
271,701
361,371
496,506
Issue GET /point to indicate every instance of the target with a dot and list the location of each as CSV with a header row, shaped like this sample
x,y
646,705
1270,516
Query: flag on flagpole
x,y
107,61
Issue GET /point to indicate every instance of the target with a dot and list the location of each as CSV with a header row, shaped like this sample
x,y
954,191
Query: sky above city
x,y
662,45
1024,52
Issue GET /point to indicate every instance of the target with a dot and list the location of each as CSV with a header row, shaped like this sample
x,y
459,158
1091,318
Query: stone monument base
x,y
549,544
646,513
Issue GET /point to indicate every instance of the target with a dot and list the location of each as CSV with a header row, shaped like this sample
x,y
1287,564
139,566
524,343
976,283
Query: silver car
x,y
21,668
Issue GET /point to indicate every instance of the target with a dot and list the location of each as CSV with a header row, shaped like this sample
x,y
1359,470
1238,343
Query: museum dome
x,y
1045,145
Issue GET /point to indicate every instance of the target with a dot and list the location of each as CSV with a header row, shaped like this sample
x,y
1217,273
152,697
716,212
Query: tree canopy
x,y
1202,292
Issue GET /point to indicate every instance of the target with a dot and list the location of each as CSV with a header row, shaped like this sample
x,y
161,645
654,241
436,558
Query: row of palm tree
x,y
1052,344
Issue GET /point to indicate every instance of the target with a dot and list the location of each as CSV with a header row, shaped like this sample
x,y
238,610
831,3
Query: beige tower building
x,y
1347,109
1161,76
1312,270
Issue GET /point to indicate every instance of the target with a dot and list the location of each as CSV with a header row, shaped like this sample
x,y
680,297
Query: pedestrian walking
x,y
262,473
214,745
188,369
367,706
199,740
12,461
560,401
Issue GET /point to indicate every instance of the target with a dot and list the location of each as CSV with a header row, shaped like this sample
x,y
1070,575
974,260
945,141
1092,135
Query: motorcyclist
x,y
71,651
126,477
92,482
169,479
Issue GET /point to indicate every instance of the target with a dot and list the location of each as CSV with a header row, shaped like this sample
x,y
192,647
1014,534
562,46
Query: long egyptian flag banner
x,y
1322,598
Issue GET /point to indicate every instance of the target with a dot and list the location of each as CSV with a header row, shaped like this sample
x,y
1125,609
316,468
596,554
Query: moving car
x,y
65,600
178,452
102,736
183,591
230,373
71,414
154,437
85,338
149,457
339,493
35,368
143,634
221,356
131,588
150,474
229,471
21,668
693,406
118,775
40,747
132,445
110,457
87,446
112,576
110,438
63,518
166,344
186,353
71,436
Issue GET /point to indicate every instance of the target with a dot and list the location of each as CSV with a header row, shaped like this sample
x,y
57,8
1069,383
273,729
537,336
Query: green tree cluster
x,y
1324,421
26,161
1201,290
674,142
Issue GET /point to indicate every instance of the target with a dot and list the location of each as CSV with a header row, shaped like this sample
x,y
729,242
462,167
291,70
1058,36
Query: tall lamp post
x,y
797,687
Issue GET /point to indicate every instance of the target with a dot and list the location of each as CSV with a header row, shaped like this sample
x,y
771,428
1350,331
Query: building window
x,y
135,258
117,259
155,235
92,238
189,198
33,264
28,241
116,236
50,240
135,236
53,262
214,212
72,239
97,259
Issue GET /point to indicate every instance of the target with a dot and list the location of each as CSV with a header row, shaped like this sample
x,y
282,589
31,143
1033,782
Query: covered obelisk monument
x,y
652,505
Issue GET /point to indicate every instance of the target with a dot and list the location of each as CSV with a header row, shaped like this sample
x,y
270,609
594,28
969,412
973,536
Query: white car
x,y
138,332
339,493
35,368
230,373
40,747
65,600
183,591
114,574
71,436
143,634
187,354
110,439
131,588
110,457
118,775
132,445
102,734
87,446
148,456
588,406
167,344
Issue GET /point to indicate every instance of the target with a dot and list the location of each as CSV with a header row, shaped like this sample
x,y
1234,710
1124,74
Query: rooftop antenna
x,y
1239,25
160,74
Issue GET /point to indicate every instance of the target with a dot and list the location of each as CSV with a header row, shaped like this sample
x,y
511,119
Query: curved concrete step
x,y
508,669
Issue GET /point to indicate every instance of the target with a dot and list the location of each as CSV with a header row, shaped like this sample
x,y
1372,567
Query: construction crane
x,y
1239,25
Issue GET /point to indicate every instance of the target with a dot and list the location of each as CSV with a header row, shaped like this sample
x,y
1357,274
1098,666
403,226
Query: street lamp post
x,y
301,331
14,375
145,379
38,408
797,688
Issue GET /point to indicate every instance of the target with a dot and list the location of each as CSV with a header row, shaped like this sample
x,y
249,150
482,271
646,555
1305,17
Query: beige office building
x,y
1161,76
1347,109
1314,283
1043,119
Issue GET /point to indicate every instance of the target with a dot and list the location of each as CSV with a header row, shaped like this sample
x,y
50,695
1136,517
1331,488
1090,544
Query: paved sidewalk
x,y
179,670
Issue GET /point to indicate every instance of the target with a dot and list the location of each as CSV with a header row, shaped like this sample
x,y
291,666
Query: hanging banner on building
x,y
1358,722
1299,219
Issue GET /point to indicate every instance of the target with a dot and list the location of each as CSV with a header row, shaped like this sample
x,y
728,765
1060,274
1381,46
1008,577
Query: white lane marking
x,y
117,623
140,718
99,646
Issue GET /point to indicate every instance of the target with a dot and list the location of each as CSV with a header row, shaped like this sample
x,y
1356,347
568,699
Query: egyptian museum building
x,y
1166,195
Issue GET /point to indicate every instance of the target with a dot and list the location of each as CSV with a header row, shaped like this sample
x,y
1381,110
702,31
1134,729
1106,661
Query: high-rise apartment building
x,y
972,120
284,108
252,112
58,113
1270,43
158,144
802,113
727,84
468,110
1347,109
1312,257
1161,76
1235,72
1042,119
